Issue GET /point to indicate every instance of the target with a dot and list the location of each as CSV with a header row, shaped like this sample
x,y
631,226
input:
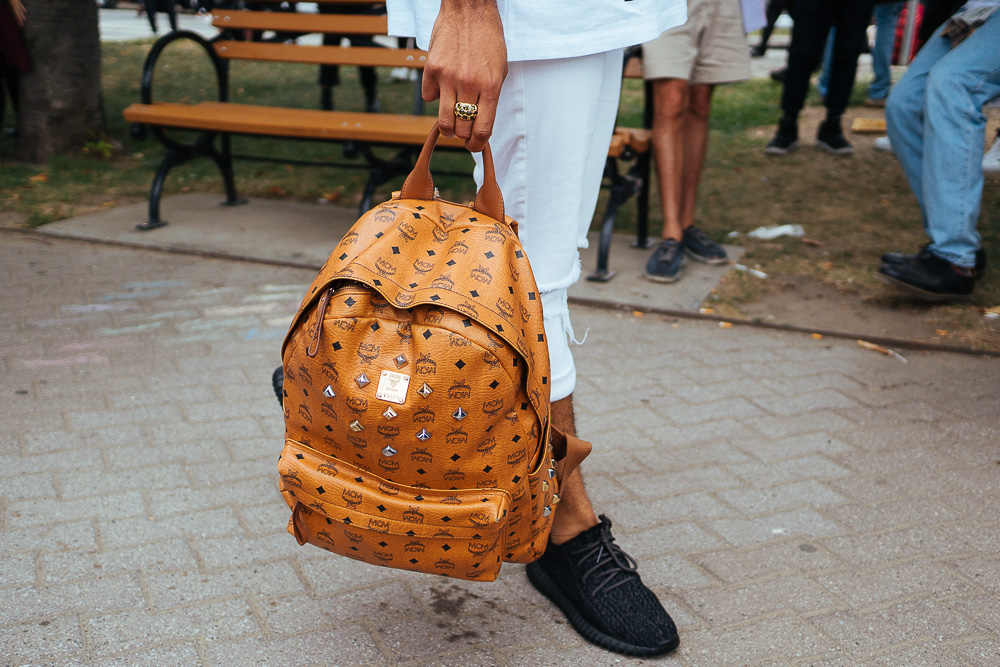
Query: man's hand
x,y
19,11
466,62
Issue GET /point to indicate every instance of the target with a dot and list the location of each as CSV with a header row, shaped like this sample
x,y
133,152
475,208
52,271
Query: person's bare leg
x,y
574,513
695,137
670,102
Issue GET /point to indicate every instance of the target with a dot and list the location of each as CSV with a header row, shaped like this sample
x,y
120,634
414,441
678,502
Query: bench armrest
x,y
149,67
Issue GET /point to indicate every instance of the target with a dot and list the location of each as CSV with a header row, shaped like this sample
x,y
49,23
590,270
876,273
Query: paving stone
x,y
866,590
55,441
981,609
874,549
670,482
767,501
893,514
224,472
57,637
673,573
218,553
633,515
781,639
735,408
16,569
24,487
800,445
804,523
73,536
70,565
747,602
761,475
47,510
824,399
908,622
819,420
131,630
88,458
173,589
96,419
173,655
983,570
327,574
266,519
312,648
145,530
95,595
684,537
736,565
83,485
245,493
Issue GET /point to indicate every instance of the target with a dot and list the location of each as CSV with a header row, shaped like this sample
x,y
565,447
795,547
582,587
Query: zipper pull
x,y
318,329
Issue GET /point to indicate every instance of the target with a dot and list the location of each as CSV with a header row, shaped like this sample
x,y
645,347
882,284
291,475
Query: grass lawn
x,y
853,209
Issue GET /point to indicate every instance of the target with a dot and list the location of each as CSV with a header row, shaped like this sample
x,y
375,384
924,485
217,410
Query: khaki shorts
x,y
710,48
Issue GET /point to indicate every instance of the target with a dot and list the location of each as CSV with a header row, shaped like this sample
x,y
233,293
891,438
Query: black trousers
x,y
813,20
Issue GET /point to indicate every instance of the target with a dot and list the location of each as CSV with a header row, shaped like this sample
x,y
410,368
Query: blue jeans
x,y
886,17
938,130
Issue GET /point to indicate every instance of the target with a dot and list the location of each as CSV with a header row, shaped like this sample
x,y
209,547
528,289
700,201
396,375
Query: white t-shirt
x,y
549,29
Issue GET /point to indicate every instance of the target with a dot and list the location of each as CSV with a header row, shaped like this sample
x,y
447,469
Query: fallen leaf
x,y
817,336
726,325
277,190
812,242
706,311
827,265
40,178
637,313
941,332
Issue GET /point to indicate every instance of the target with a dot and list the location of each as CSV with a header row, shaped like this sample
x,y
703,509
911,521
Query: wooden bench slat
x,y
339,24
321,55
292,123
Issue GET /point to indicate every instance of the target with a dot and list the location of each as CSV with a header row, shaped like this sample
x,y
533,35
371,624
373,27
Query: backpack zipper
x,y
318,330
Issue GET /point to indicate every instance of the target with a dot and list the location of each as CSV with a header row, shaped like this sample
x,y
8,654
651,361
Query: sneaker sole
x,y
662,279
704,259
823,146
933,297
775,150
543,584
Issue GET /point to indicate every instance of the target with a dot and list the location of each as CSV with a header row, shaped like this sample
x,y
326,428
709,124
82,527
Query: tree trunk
x,y
61,100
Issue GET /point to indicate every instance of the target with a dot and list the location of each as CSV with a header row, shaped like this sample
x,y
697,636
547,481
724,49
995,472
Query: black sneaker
x,y
931,278
831,139
664,265
786,139
596,585
698,246
909,258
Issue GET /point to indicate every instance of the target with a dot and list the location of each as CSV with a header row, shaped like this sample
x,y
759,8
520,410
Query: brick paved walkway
x,y
794,501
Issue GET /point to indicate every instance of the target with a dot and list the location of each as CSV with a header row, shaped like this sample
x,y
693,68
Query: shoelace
x,y
668,250
698,235
610,562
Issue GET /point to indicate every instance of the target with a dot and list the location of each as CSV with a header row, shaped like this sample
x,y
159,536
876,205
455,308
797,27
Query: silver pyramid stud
x,y
425,390
362,380
545,485
555,498
328,392
400,361
552,473
424,434
459,414
388,450
547,511
356,426
389,413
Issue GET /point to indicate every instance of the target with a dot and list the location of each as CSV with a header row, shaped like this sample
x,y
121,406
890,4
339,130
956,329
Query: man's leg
x,y
670,150
574,514
954,135
695,147
886,17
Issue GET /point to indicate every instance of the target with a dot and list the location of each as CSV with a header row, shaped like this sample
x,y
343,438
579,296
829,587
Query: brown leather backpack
x,y
416,392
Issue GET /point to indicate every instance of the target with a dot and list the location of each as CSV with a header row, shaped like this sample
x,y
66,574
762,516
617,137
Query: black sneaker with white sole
x,y
831,139
698,246
595,583
786,139
664,265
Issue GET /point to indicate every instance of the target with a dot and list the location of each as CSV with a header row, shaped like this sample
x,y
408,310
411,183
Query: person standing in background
x,y
685,64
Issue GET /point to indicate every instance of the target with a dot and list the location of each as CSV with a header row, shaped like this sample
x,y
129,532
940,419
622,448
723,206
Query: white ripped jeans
x,y
550,142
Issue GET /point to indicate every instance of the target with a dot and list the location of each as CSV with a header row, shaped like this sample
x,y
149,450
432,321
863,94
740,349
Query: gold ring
x,y
466,111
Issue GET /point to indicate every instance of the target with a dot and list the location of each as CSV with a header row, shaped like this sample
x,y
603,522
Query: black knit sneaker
x,y
596,585
786,139
664,265
831,139
698,246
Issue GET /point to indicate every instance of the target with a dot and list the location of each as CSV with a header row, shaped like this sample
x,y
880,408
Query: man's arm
x,y
466,62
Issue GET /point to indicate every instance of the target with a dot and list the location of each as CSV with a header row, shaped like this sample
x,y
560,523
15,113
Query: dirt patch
x,y
805,302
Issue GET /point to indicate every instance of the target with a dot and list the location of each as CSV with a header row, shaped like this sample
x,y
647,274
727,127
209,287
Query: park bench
x,y
217,121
